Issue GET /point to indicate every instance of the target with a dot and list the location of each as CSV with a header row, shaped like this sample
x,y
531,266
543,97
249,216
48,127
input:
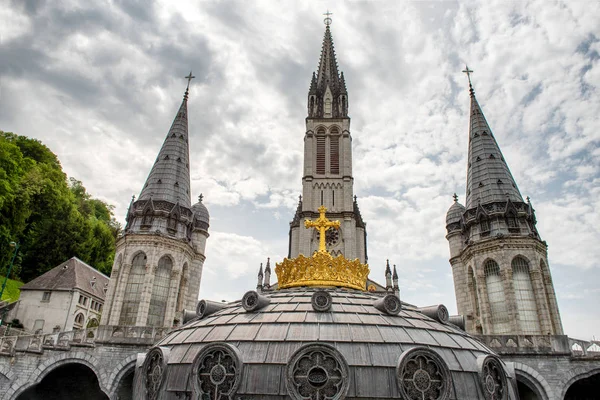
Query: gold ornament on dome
x,y
322,269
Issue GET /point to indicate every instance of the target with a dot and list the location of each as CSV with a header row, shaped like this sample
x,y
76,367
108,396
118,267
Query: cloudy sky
x,y
100,82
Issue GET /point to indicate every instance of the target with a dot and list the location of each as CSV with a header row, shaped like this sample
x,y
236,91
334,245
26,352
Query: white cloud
x,y
101,87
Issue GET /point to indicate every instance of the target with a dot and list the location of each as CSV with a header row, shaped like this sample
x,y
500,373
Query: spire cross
x,y
200,198
322,224
189,78
327,19
468,72
455,197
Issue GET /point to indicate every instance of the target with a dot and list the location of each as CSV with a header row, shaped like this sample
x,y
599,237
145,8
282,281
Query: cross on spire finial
x,y
455,197
189,78
328,19
469,72
200,198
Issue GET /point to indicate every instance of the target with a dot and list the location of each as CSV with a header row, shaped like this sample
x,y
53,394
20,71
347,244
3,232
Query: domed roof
x,y
311,342
200,211
455,212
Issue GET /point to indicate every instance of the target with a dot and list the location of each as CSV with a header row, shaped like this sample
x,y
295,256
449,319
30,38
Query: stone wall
x,y
109,351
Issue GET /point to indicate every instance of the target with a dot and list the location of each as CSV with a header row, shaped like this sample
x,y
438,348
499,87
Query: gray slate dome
x,y
200,211
455,213
354,347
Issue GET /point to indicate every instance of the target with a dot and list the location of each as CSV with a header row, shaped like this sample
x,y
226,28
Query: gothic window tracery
x,y
133,290
217,372
160,292
154,368
496,298
423,375
317,371
525,297
493,379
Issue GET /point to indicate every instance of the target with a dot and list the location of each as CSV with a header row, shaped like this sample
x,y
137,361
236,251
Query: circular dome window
x,y
422,374
217,371
317,371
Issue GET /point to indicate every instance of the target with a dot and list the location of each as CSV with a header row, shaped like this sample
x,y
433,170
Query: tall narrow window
x,y
496,298
321,152
133,291
525,297
484,225
333,197
328,107
160,292
321,197
334,153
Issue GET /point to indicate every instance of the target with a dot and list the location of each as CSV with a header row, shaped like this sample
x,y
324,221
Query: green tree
x,y
53,219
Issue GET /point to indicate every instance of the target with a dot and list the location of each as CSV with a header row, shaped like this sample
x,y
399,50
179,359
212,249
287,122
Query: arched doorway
x,y
70,381
124,389
525,392
584,389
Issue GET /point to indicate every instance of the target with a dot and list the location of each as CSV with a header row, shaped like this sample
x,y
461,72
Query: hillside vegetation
x,y
52,218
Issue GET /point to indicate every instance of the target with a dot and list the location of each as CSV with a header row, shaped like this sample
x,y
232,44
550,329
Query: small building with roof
x,y
69,296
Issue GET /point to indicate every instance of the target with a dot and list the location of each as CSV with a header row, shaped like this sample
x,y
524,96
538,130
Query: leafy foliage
x,y
51,218
11,291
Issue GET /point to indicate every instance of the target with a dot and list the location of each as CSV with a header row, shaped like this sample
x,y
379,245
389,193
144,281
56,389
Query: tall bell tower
x,y
327,175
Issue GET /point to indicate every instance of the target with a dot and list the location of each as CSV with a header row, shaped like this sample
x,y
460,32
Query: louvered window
x,y
334,154
496,298
160,292
525,297
133,291
484,224
321,155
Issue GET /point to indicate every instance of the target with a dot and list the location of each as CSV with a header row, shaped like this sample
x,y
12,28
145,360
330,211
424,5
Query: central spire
x,y
327,96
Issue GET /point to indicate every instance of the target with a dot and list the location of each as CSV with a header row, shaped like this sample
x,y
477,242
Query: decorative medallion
x,y
321,301
423,375
332,237
154,369
317,371
217,372
493,378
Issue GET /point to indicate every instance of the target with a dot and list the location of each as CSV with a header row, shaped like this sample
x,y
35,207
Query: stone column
x,y
543,311
174,289
119,294
509,295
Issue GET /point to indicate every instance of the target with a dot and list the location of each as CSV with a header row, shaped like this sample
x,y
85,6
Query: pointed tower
x,y
499,262
327,176
159,259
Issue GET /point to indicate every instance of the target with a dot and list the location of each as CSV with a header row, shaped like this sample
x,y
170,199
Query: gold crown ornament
x,y
322,269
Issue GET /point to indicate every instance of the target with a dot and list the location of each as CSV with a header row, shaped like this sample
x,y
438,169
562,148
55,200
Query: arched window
x,y
160,292
328,107
528,314
511,221
172,222
147,218
79,320
496,298
334,152
484,225
321,151
133,290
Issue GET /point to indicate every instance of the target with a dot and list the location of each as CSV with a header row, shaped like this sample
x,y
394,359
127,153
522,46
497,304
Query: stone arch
x,y
334,130
51,364
6,372
135,254
119,372
575,375
320,130
532,379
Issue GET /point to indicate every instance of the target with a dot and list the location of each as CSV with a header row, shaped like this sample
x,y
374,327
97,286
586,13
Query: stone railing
x,y
584,348
527,344
103,335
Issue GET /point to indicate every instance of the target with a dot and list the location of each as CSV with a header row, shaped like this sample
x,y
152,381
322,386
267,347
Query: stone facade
x,y
327,175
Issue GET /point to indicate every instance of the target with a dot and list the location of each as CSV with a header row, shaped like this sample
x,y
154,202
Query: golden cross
x,y
322,224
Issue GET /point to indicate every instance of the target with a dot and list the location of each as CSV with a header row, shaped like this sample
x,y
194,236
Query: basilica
x,y
317,325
